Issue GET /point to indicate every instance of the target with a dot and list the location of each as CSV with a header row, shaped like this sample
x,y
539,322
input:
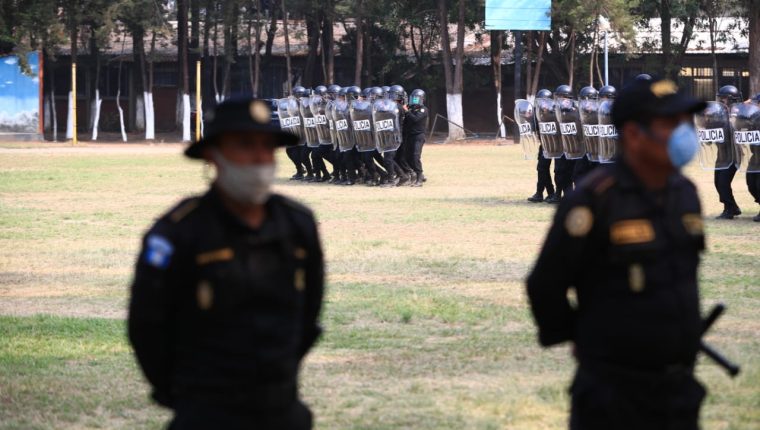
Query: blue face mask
x,y
683,145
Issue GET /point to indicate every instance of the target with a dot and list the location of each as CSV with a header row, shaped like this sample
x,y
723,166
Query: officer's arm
x,y
557,268
315,281
417,115
150,308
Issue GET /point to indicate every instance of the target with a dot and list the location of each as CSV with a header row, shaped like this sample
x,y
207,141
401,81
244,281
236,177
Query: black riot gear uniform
x,y
543,167
415,127
728,95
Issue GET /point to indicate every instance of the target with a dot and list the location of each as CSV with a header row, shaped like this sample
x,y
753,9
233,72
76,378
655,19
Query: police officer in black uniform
x,y
543,169
228,287
728,95
753,179
628,241
415,126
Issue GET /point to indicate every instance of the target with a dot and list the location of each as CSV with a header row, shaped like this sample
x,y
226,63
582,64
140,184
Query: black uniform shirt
x,y
632,257
224,310
415,120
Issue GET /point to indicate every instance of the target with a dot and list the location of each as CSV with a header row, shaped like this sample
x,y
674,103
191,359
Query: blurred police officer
x,y
228,287
628,240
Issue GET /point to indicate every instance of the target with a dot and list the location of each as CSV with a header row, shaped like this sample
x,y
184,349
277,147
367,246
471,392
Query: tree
x,y
681,12
754,46
453,78
183,67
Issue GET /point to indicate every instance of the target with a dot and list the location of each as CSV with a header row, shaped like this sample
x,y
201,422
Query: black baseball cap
x,y
642,100
236,115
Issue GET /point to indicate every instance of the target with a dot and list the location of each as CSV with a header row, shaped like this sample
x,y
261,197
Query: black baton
x,y
708,350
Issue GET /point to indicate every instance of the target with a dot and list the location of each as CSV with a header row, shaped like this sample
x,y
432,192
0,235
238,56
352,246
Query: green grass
x,y
427,325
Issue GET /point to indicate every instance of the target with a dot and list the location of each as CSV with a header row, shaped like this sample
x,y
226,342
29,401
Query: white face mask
x,y
246,184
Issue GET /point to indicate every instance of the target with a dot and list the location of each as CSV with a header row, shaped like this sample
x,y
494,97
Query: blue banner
x,y
19,95
518,15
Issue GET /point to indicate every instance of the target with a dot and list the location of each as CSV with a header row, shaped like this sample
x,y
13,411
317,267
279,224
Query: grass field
x,y
426,320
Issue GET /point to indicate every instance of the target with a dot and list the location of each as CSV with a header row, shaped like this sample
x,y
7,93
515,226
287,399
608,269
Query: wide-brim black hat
x,y
643,100
238,115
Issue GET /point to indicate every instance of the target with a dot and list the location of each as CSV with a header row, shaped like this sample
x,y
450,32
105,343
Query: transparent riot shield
x,y
569,119
290,105
525,117
745,121
286,123
361,122
589,109
548,129
608,136
318,106
387,126
716,149
309,123
343,128
330,113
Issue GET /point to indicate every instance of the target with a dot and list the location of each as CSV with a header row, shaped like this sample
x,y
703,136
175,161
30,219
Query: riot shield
x,y
548,129
318,105
289,107
569,119
387,126
716,149
745,121
361,121
608,137
330,113
525,117
589,109
309,123
343,128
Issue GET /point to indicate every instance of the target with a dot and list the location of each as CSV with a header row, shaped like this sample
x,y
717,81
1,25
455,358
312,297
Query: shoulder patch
x,y
183,209
579,221
158,251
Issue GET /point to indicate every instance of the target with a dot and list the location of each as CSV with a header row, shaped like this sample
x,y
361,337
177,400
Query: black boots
x,y
729,212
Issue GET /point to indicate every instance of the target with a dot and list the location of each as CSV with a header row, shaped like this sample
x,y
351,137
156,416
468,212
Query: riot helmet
x,y
353,93
366,92
607,91
564,91
417,97
728,95
333,89
376,93
386,89
588,93
299,91
544,94
396,92
320,90
643,77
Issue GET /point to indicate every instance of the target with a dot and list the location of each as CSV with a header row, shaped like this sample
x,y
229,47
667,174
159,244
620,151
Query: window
x,y
703,71
728,73
703,88
686,71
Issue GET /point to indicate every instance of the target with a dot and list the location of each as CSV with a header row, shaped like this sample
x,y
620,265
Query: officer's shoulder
x,y
292,206
181,212
598,181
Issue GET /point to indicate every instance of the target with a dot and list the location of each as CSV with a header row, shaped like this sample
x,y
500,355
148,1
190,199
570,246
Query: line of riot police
x,y
577,134
372,136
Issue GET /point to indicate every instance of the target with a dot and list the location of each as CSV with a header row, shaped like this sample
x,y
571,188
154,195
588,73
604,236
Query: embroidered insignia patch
x,y
158,251
205,295
579,221
632,231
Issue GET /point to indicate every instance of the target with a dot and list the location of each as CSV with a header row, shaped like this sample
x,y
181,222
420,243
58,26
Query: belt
x,y
260,396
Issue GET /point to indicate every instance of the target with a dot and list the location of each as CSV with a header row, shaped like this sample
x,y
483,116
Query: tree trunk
x,y
118,93
271,30
150,115
138,47
257,54
312,35
539,61
74,34
453,79
359,49
183,67
754,47
328,44
529,63
665,19
287,48
571,69
497,38
215,62
368,53
712,23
